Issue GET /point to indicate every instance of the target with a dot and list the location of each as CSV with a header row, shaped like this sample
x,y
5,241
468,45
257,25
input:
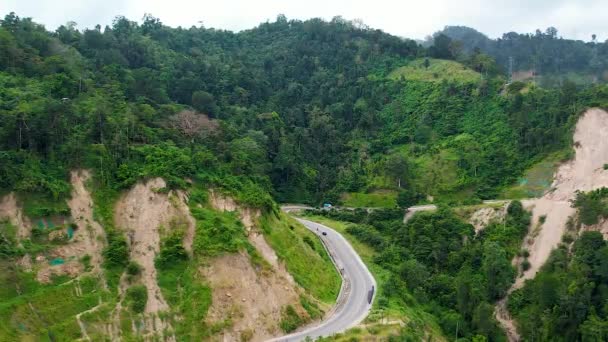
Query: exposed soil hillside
x,y
585,172
250,291
252,298
89,231
481,217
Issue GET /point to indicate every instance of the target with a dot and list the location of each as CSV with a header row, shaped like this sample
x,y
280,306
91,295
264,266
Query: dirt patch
x,y
544,237
522,75
248,216
141,212
25,263
252,302
71,269
483,216
221,202
89,233
585,172
12,211
504,319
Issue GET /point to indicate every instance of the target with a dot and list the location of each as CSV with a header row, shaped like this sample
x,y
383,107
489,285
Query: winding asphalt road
x,y
354,302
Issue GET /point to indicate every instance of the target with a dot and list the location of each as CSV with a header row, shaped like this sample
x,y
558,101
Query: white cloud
x,y
413,19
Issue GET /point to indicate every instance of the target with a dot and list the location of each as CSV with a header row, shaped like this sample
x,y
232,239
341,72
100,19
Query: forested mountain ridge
x,y
309,102
151,70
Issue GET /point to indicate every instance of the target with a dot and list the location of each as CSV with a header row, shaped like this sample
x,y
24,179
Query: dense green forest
x,y
304,110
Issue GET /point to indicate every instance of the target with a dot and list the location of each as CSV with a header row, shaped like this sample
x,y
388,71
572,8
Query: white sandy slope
x,y
583,173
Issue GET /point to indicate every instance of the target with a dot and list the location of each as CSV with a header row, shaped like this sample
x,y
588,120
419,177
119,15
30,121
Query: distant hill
x,y
544,52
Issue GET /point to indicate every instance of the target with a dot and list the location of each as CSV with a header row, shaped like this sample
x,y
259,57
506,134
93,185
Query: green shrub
x,y
516,87
407,198
367,234
43,205
217,232
86,261
165,160
567,238
137,297
116,254
308,240
290,320
591,205
311,307
8,241
198,196
133,268
171,251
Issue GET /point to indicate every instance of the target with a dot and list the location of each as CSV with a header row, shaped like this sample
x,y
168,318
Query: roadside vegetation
x,y
436,266
392,311
304,256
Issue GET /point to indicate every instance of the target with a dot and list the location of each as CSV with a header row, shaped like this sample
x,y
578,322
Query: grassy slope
x,y
30,310
537,179
437,71
434,175
55,306
383,198
419,324
308,263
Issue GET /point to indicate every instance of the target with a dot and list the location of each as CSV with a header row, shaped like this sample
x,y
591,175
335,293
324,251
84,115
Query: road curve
x,y
352,305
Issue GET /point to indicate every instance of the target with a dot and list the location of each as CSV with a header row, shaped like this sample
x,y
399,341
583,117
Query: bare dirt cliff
x,y
252,298
145,213
9,209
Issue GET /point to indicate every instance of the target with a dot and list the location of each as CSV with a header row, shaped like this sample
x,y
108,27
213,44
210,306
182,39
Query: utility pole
x,y
457,330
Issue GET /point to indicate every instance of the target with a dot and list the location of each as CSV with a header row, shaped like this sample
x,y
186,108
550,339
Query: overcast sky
x,y
413,19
